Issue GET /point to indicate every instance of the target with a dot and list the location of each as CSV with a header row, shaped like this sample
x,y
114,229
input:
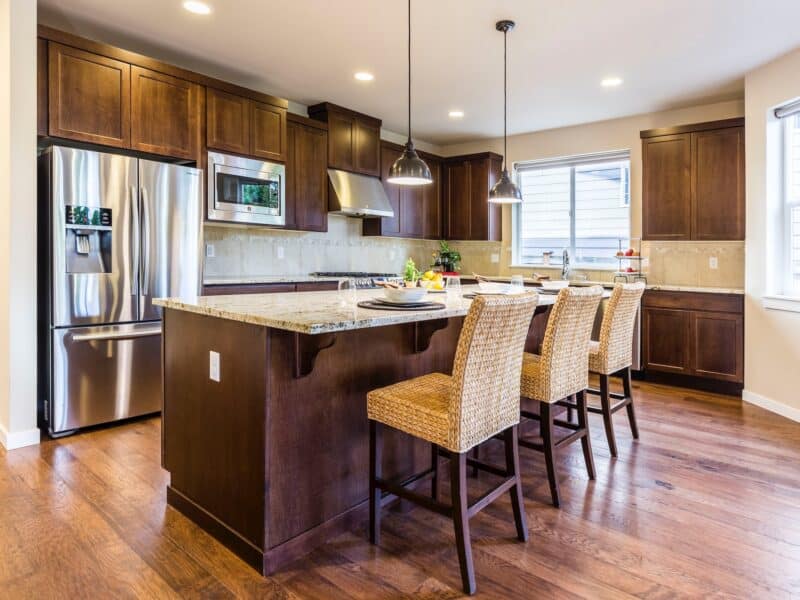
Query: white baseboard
x,y
18,439
771,405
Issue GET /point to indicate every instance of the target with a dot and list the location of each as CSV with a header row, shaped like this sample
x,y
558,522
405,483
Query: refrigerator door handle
x,y
121,335
134,241
146,244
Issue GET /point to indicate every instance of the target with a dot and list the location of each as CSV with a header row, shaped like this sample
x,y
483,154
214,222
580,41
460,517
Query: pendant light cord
x,y
409,70
505,98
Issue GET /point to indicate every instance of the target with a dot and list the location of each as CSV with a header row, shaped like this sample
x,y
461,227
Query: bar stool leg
x,y
511,437
375,459
586,440
548,442
476,454
605,404
627,389
435,467
458,488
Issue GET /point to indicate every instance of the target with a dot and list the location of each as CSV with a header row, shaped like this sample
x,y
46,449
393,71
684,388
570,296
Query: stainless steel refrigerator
x,y
120,231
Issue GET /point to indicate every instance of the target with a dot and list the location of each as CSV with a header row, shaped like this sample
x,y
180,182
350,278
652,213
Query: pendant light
x,y
504,191
409,169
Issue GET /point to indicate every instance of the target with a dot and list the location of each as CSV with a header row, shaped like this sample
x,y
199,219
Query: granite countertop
x,y
316,312
258,279
650,286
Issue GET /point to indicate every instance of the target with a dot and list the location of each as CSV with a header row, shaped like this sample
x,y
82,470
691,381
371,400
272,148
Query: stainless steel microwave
x,y
246,190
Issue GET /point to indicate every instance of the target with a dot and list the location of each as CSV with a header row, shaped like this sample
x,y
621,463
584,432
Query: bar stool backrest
x,y
487,367
616,331
564,368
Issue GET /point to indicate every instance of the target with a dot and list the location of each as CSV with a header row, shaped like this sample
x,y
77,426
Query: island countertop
x,y
317,312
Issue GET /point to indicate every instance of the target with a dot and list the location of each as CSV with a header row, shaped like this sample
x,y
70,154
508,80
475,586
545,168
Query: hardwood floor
x,y
706,504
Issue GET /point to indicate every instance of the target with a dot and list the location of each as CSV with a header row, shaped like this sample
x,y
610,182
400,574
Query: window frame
x,y
571,161
790,288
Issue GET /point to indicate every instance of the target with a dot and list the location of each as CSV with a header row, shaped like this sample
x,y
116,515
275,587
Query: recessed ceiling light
x,y
364,76
456,114
611,82
198,8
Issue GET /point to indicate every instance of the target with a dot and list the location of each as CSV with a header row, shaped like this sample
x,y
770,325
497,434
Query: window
x,y
791,137
581,204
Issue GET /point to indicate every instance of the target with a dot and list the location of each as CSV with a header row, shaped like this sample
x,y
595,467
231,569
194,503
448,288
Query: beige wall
x,y
620,134
772,338
18,223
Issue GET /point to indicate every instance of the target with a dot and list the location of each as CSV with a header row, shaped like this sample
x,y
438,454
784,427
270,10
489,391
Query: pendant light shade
x,y
504,191
409,169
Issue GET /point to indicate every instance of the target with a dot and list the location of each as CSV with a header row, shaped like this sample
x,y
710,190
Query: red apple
x,y
630,270
629,252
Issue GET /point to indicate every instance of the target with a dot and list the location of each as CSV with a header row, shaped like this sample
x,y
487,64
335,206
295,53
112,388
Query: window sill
x,y
784,303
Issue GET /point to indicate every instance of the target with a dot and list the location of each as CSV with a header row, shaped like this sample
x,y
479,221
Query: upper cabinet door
x,y
165,114
666,189
432,203
367,148
268,137
227,122
341,136
307,178
718,206
89,97
458,200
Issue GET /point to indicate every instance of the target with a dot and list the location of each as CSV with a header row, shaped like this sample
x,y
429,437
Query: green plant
x,y
449,258
410,273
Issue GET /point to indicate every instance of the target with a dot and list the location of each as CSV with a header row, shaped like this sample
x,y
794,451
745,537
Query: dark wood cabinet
x,y
417,208
697,334
165,114
468,213
432,201
268,288
306,175
268,133
227,122
244,126
666,187
366,146
353,139
666,338
718,184
89,97
693,182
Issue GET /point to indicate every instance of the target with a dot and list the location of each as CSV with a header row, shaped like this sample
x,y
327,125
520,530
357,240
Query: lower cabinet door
x,y
666,340
717,345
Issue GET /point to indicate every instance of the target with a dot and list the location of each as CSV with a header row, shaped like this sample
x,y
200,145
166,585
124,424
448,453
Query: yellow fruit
x,y
427,275
438,285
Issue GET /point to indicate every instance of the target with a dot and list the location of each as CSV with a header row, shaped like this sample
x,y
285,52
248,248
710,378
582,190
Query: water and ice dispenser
x,y
88,239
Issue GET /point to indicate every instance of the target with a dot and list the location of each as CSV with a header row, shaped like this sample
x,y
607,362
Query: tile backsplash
x,y
255,251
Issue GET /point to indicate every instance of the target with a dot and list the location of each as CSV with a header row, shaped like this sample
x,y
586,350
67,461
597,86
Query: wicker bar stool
x,y
559,373
456,413
612,355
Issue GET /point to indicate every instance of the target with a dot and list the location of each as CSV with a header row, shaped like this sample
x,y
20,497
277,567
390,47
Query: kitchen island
x,y
268,451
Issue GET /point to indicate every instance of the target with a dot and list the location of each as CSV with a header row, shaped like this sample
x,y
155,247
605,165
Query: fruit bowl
x,y
405,294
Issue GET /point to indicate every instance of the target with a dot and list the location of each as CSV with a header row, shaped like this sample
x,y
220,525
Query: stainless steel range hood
x,y
357,195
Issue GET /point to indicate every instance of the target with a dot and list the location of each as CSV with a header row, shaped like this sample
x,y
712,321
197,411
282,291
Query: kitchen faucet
x,y
565,264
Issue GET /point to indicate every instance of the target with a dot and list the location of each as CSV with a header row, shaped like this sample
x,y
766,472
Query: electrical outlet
x,y
280,252
495,257
213,366
209,250
713,263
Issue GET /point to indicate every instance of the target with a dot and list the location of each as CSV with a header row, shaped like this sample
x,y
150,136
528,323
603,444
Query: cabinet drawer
x,y
731,303
258,288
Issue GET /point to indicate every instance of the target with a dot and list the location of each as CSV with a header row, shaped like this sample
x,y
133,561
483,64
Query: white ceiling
x,y
670,53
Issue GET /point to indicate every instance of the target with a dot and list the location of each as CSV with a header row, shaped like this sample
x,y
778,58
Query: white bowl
x,y
415,294
494,287
554,285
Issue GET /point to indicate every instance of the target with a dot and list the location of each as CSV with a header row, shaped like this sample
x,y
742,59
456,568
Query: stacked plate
x,y
386,304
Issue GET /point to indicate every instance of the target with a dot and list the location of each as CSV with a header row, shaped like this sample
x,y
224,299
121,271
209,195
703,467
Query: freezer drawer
x,y
103,374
